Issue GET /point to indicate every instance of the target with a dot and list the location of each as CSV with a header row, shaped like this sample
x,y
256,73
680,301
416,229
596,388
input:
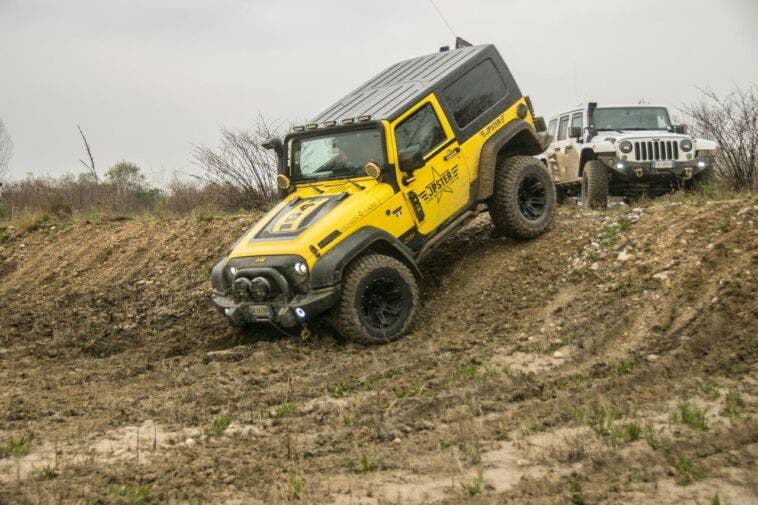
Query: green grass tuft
x,y
133,494
474,487
15,447
338,390
691,416
285,409
688,469
47,472
219,426
577,497
296,484
734,405
366,464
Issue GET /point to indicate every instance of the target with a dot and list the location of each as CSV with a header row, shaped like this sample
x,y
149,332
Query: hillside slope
x,y
613,360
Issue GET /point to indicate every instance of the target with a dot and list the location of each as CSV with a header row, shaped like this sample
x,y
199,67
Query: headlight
x,y
686,145
301,268
625,146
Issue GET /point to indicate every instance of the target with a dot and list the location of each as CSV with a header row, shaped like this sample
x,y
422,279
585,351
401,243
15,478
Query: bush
x,y
241,167
732,121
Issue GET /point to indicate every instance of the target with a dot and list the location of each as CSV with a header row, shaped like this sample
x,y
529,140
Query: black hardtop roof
x,y
388,94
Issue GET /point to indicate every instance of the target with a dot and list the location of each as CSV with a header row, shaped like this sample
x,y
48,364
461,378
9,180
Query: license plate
x,y
261,311
664,164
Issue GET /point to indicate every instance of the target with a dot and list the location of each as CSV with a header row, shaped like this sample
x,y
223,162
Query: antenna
x,y
576,89
443,17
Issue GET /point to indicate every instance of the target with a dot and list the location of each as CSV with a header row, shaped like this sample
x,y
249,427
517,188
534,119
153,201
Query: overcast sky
x,y
147,79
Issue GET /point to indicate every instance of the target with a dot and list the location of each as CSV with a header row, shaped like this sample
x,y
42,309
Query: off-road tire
x,y
352,317
510,214
560,195
595,185
699,182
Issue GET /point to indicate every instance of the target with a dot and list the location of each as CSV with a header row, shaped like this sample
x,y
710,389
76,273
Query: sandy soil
x,y
611,361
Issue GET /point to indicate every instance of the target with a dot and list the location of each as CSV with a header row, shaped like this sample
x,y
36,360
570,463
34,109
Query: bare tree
x,y
732,121
91,166
241,163
6,150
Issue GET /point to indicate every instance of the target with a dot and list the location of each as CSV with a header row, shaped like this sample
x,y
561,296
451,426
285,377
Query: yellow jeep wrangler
x,y
375,182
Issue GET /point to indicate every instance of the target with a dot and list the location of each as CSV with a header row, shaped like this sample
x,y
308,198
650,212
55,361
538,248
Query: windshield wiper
x,y
355,184
311,185
608,130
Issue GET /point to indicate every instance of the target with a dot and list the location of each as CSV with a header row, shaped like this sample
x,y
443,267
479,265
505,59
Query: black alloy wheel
x,y
531,197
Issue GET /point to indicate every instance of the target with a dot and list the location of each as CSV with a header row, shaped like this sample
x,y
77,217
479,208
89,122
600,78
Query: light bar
x,y
330,123
364,117
311,126
348,120
298,128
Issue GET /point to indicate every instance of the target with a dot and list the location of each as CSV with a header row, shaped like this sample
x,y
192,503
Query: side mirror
x,y
539,124
410,159
575,132
680,128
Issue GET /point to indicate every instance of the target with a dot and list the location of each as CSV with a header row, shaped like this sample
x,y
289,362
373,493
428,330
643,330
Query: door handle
x,y
452,153
569,147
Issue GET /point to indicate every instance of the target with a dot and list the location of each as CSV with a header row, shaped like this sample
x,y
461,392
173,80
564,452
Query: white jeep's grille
x,y
646,150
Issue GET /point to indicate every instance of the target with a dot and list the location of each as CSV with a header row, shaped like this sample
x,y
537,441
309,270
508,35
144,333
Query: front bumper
x,y
648,169
301,308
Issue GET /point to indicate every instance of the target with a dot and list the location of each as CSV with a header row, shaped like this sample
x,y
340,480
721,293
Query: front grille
x,y
646,150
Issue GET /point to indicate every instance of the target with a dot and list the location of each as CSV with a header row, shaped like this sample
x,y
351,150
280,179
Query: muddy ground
x,y
612,360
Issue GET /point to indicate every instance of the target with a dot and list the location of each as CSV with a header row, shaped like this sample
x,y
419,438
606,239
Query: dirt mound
x,y
612,360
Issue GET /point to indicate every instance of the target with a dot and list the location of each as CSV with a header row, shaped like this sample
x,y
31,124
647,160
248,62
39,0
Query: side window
x,y
551,127
421,131
563,128
576,120
474,92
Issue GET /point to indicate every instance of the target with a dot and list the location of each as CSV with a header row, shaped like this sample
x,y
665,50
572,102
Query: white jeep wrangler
x,y
623,150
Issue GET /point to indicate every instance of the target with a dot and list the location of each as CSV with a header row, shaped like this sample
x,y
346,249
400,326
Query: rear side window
x,y
563,128
551,127
475,92
421,131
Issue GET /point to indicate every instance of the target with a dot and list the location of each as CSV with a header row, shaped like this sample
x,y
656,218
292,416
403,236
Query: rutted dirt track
x,y
611,361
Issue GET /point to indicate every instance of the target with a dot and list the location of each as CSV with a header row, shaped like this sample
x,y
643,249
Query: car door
x,y
573,148
440,187
559,147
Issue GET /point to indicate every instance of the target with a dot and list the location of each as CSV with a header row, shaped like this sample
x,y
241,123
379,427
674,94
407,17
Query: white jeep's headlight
x,y
686,145
301,268
625,146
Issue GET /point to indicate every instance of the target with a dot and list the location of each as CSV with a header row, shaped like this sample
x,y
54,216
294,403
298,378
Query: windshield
x,y
631,118
337,155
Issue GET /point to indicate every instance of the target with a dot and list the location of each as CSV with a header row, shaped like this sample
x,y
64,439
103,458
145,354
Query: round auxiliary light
x,y
625,146
373,170
686,145
301,268
241,288
260,288
283,181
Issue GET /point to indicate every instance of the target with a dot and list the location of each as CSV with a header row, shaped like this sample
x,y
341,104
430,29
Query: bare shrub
x,y
732,121
183,197
124,191
6,150
239,162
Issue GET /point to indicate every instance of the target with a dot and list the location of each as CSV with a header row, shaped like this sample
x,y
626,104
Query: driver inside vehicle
x,y
352,153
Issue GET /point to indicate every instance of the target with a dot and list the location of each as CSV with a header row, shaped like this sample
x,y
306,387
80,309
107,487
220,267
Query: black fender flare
x,y
523,139
328,269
